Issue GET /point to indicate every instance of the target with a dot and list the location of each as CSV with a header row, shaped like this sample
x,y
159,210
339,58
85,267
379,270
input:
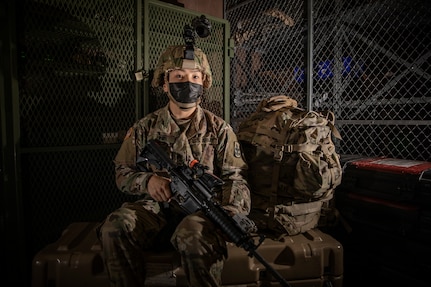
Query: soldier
x,y
187,132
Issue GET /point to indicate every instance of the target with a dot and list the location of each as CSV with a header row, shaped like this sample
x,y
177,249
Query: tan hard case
x,y
313,258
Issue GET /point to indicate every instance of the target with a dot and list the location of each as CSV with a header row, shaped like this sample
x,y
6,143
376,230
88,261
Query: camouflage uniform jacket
x,y
205,137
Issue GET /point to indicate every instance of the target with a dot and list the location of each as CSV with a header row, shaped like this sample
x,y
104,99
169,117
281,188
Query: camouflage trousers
x,y
143,225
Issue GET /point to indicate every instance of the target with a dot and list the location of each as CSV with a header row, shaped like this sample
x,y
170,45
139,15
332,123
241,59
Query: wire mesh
x,y
77,97
371,66
75,64
267,61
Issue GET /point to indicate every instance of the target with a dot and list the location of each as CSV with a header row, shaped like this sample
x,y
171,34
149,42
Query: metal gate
x,y
371,66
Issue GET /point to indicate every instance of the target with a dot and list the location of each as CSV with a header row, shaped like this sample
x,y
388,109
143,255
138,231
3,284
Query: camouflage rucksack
x,y
293,165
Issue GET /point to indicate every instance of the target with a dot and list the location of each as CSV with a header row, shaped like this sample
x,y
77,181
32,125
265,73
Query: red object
x,y
193,162
401,166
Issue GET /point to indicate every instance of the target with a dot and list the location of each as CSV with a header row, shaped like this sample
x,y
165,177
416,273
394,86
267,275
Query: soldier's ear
x,y
165,87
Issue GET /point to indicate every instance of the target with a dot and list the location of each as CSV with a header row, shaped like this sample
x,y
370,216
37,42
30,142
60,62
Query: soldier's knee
x,y
190,229
188,236
192,223
121,221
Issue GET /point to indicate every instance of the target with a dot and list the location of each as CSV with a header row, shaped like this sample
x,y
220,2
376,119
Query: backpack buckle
x,y
288,148
278,153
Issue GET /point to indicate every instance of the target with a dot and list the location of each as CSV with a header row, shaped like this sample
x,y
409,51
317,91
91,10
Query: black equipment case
x,y
387,203
310,259
399,180
387,193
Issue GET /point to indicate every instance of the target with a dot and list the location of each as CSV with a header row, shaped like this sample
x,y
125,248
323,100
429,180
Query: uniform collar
x,y
169,126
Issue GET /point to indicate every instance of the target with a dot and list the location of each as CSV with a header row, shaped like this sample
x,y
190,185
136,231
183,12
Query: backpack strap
x,y
331,123
273,195
278,156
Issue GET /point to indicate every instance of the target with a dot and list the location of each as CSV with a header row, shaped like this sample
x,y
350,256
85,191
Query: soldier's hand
x,y
159,188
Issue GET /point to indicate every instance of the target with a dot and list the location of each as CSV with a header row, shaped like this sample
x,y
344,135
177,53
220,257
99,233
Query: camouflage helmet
x,y
173,58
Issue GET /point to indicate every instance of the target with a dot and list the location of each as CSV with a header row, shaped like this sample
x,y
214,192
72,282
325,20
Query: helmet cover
x,y
173,58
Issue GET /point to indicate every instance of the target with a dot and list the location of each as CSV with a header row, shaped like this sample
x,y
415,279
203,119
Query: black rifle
x,y
192,188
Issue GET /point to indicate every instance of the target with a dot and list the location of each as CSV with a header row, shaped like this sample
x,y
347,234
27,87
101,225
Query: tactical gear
x,y
173,58
293,165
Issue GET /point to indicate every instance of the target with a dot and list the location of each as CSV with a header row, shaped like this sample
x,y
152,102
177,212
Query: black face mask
x,y
186,92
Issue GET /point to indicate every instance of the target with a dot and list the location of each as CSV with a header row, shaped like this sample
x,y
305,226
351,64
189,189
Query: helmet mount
x,y
201,27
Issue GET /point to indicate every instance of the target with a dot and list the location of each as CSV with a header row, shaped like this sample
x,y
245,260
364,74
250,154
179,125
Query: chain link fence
x,y
371,66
